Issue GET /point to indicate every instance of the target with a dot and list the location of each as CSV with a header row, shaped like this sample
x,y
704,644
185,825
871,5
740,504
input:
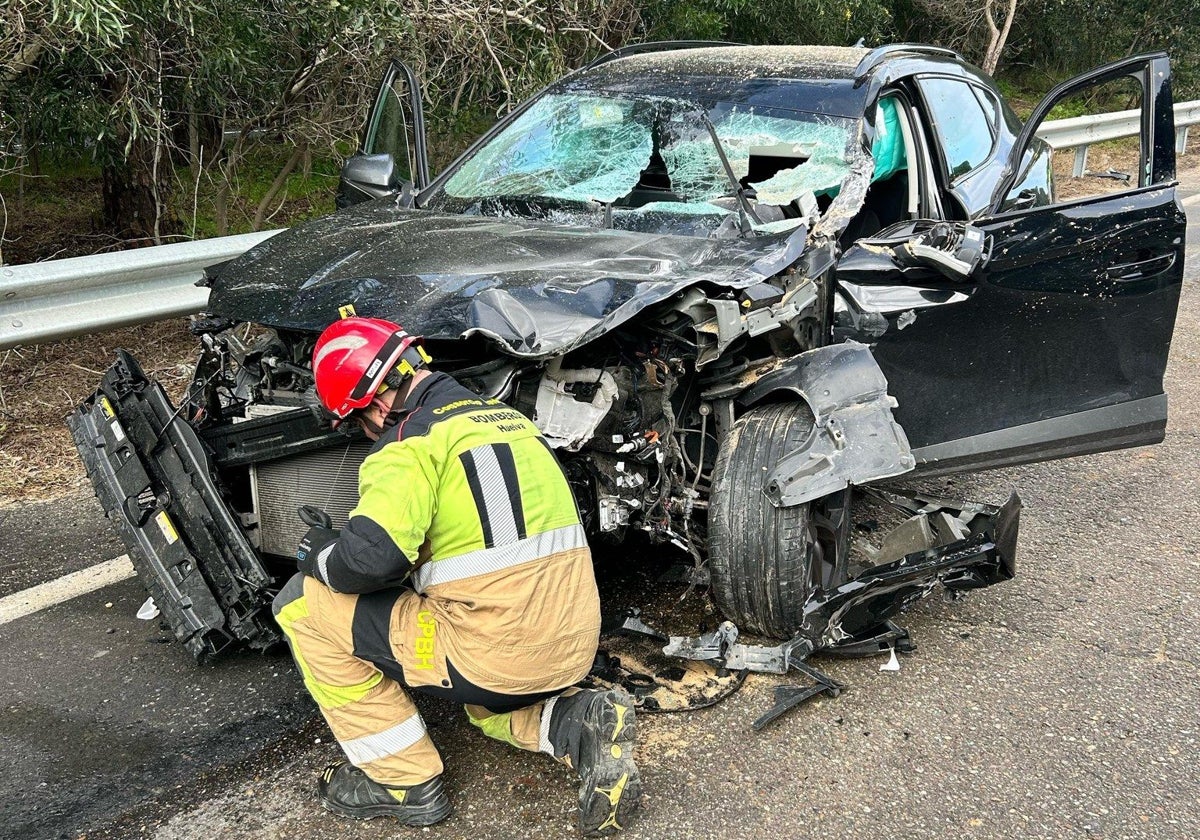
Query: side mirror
x,y
1026,199
916,252
365,177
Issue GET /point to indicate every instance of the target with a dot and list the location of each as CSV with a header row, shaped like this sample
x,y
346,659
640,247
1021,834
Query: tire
x,y
765,562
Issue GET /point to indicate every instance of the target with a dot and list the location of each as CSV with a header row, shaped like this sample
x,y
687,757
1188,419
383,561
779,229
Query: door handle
x,y
1141,269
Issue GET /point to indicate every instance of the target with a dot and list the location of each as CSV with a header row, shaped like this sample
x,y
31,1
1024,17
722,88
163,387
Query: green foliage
x,y
144,85
837,22
94,20
305,196
1055,39
701,20
144,89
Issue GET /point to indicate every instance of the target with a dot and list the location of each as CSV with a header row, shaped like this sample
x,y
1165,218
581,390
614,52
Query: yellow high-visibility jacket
x,y
464,499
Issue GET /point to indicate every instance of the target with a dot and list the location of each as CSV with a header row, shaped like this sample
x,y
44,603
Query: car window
x,y
1035,187
392,130
990,106
964,130
1103,166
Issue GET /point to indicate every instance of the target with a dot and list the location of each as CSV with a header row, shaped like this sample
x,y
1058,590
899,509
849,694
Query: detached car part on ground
x,y
729,285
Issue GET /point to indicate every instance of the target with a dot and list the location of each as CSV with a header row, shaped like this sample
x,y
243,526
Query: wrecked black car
x,y
729,284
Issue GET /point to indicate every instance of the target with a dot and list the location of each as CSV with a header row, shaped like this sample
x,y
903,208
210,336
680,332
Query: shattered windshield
x,y
651,164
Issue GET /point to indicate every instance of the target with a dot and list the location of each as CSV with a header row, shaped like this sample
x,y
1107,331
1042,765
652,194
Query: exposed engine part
x,y
637,452
494,379
623,490
239,367
572,403
279,487
613,512
759,309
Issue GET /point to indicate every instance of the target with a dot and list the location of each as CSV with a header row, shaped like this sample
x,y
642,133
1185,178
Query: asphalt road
x,y
1062,704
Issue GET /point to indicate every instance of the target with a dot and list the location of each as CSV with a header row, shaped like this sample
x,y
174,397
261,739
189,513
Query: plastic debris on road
x,y
148,611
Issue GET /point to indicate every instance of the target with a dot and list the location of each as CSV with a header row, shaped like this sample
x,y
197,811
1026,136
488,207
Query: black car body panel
x,y
153,477
1058,346
1058,324
817,80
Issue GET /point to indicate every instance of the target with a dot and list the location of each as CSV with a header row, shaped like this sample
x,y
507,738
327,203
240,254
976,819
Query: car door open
x,y
1057,343
392,155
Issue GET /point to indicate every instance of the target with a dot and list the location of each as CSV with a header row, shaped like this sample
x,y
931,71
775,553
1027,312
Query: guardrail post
x,y
1080,161
1181,139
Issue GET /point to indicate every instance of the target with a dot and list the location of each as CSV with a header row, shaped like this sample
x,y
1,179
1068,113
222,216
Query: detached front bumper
x,y
152,474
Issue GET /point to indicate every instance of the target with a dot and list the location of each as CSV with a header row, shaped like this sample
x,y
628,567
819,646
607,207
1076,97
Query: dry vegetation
x,y
39,385
1117,155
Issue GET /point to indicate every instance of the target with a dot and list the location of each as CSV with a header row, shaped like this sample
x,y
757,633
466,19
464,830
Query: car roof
x,y
772,62
818,79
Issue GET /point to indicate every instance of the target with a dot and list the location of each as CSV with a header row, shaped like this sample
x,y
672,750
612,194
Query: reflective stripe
x,y
370,748
477,493
495,496
508,468
544,744
488,560
323,563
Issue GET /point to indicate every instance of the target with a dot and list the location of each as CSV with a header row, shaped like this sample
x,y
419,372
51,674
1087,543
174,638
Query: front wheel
x,y
766,562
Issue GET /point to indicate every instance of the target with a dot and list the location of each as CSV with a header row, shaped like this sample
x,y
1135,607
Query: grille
x,y
327,478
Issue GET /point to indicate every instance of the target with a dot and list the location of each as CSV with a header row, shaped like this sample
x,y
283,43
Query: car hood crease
x,y
536,288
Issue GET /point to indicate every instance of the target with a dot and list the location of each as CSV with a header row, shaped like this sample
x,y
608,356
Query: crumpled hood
x,y
536,288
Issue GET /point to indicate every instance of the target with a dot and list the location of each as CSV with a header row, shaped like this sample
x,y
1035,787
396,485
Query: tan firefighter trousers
x,y
356,651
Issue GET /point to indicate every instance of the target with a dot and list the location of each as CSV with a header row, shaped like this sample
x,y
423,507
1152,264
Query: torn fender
x,y
854,439
970,546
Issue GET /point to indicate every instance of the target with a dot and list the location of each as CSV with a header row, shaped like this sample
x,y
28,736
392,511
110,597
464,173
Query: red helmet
x,y
353,357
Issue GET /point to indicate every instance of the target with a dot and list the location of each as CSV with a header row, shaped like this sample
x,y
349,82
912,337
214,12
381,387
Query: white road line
x,y
64,588
1190,200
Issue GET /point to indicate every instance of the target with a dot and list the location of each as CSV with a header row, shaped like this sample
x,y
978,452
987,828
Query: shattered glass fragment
x,y
752,141
581,148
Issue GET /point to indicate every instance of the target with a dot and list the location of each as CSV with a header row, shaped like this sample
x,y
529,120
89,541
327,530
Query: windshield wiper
x,y
745,211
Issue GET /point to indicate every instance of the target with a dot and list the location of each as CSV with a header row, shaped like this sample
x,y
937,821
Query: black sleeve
x,y
363,558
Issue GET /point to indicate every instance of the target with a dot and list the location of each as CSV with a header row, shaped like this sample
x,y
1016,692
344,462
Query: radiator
x,y
327,478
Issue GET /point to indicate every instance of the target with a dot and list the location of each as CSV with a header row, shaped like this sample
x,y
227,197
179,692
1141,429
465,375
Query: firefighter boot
x,y
594,731
348,791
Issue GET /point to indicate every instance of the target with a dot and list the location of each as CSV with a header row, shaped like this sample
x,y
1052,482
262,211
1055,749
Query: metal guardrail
x,y
56,299
1080,132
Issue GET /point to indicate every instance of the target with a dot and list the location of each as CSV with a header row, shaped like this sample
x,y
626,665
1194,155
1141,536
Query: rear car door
x,y
392,156
1058,344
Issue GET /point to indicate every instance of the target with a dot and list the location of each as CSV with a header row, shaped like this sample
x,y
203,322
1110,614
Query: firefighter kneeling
x,y
462,500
